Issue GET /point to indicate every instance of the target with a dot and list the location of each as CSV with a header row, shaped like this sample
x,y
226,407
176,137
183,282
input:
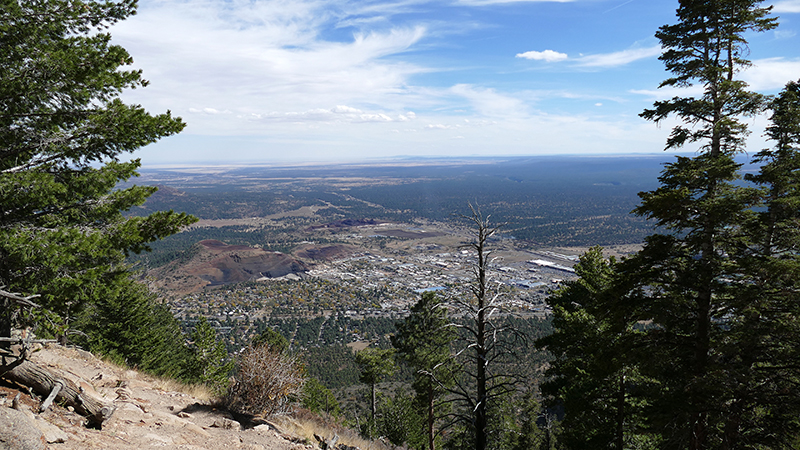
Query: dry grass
x,y
305,424
199,391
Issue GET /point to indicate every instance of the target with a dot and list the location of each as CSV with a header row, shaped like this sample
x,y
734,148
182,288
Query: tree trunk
x,y
43,381
372,404
619,441
431,444
5,322
481,421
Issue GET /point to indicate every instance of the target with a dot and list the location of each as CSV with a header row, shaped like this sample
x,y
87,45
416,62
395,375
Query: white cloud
x,y
603,60
341,109
787,6
669,92
211,111
772,73
765,75
547,55
237,56
620,58
785,34
337,114
497,2
488,102
272,79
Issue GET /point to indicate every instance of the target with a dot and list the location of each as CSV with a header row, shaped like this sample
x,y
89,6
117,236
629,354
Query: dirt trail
x,y
150,413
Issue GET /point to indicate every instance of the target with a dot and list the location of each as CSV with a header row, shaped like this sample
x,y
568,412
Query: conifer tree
x,y
715,290
376,364
318,398
63,129
423,340
273,340
687,273
594,374
767,332
776,231
213,367
127,324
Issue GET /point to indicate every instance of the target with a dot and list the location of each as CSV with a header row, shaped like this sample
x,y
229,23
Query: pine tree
x,y
776,232
319,399
767,330
376,364
273,340
400,421
536,426
423,340
63,129
128,325
213,367
687,274
594,375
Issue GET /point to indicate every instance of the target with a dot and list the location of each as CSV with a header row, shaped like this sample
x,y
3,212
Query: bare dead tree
x,y
485,342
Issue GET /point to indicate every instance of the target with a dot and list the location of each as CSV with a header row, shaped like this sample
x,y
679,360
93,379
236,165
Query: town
x,y
383,279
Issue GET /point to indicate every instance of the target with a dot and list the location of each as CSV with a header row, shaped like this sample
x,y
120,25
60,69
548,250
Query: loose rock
x,y
17,432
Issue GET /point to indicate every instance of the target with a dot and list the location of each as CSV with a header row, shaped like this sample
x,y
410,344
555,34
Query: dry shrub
x,y
267,382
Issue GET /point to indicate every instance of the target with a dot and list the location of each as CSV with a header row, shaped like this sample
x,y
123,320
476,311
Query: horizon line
x,y
396,160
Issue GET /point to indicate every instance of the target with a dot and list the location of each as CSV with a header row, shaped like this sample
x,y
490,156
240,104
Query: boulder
x,y
18,432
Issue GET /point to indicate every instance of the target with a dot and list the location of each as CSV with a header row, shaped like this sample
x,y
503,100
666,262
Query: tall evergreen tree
x,y
594,375
776,232
63,129
767,332
423,340
127,324
376,364
687,273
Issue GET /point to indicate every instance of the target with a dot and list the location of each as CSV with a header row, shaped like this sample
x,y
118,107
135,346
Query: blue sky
x,y
319,80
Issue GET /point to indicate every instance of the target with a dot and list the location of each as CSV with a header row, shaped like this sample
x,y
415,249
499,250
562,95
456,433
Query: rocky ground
x,y
150,413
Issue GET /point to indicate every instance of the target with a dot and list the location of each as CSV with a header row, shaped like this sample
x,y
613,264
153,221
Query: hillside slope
x,y
149,413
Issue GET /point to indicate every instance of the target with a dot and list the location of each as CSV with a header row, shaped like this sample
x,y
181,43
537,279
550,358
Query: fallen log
x,y
43,382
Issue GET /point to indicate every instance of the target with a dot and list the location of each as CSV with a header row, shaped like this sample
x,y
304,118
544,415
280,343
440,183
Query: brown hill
x,y
324,253
215,263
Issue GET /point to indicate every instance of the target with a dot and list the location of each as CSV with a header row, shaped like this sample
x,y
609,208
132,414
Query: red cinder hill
x,y
214,263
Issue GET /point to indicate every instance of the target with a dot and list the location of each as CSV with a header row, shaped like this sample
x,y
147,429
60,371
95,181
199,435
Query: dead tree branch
x,y
44,383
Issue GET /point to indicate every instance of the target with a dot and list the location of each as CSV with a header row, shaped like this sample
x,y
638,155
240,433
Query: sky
x,y
262,81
